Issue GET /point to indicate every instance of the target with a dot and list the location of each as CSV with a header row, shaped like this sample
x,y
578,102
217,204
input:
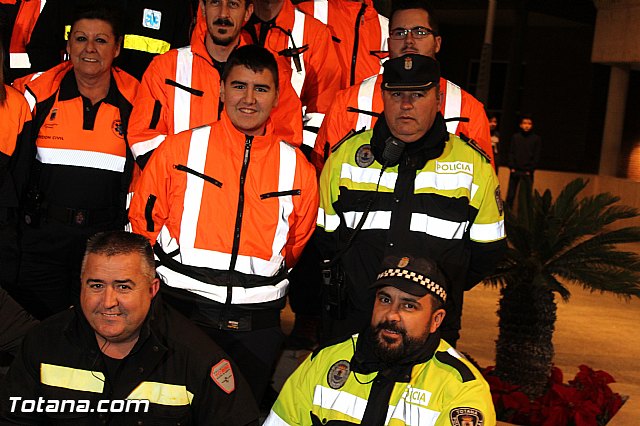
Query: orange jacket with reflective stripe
x,y
212,193
61,139
360,31
181,90
15,112
23,27
367,96
319,77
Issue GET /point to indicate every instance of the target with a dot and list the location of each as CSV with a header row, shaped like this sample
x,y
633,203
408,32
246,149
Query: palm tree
x,y
552,243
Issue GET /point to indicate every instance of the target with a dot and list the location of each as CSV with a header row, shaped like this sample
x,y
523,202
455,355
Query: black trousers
x,y
514,181
254,352
48,278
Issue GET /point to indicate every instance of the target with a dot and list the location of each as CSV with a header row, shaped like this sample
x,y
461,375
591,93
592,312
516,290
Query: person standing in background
x,y
524,156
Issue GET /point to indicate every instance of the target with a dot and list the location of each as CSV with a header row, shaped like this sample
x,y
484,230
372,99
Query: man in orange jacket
x,y
229,208
306,45
360,31
413,29
181,89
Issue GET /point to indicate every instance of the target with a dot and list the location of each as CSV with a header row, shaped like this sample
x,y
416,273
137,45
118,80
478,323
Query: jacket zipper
x,y
356,41
238,226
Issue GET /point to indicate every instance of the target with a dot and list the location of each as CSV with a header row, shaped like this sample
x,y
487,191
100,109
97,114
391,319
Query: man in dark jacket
x,y
122,357
524,155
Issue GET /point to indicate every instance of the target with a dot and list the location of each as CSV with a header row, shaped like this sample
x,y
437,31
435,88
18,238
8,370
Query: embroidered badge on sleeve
x,y
466,416
222,375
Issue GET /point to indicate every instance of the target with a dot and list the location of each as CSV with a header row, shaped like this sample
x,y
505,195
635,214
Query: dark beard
x,y
390,355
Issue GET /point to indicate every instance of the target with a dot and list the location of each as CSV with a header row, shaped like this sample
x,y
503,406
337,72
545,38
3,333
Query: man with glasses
x,y
412,29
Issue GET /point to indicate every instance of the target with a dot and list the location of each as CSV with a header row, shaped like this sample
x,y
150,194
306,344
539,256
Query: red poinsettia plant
x,y
587,400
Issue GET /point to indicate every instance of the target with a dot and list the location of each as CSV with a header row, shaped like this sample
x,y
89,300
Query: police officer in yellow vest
x,y
406,186
397,371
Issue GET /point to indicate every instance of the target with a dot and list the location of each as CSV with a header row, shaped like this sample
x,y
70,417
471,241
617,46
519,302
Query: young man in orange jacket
x,y
229,208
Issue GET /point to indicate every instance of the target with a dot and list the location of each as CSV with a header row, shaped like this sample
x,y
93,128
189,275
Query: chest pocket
x,y
280,194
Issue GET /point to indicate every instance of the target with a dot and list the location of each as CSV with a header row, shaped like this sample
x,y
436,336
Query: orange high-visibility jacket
x,y
367,97
215,198
14,130
360,31
181,90
66,137
317,75
15,112
23,27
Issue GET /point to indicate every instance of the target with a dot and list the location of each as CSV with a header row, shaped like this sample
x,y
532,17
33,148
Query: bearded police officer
x,y
398,371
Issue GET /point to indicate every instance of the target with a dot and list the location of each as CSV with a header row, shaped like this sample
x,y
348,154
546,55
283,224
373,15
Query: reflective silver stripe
x,y
340,401
285,203
182,98
218,294
274,420
297,78
321,11
31,100
143,147
365,102
487,232
375,220
384,32
193,194
452,105
412,415
74,157
359,175
19,60
42,3
437,227
329,222
445,182
312,119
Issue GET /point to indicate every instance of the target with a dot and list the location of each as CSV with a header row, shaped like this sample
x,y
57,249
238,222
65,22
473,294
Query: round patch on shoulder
x,y
466,416
364,156
338,374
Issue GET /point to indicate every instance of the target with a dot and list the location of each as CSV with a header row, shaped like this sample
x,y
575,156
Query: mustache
x,y
388,325
224,22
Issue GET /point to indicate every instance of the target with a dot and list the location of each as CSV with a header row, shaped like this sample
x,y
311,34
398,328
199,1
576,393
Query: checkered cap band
x,y
419,279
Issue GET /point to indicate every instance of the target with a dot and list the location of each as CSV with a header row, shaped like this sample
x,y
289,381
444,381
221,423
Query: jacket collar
x,y
416,154
79,330
364,360
235,139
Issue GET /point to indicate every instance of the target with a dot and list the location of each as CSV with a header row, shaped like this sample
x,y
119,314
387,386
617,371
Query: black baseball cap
x,y
410,72
414,275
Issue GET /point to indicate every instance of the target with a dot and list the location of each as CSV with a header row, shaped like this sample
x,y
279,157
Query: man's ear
x,y
436,319
222,91
154,287
438,41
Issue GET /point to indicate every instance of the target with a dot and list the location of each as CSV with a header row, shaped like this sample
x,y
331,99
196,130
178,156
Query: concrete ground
x,y
599,330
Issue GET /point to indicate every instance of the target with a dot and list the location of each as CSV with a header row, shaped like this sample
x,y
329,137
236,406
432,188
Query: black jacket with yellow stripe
x,y
172,365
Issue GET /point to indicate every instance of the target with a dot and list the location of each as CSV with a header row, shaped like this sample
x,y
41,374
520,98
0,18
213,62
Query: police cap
x,y
410,72
414,275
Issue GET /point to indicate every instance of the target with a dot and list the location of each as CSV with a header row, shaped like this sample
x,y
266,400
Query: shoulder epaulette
x,y
346,137
473,144
462,368
330,342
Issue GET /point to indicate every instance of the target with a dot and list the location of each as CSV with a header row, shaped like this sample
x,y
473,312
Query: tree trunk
x,y
524,348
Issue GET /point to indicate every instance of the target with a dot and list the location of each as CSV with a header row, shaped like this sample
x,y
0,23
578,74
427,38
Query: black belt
x,y
250,320
79,217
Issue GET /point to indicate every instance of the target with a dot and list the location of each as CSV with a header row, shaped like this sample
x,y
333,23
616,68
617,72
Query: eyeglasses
x,y
416,32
